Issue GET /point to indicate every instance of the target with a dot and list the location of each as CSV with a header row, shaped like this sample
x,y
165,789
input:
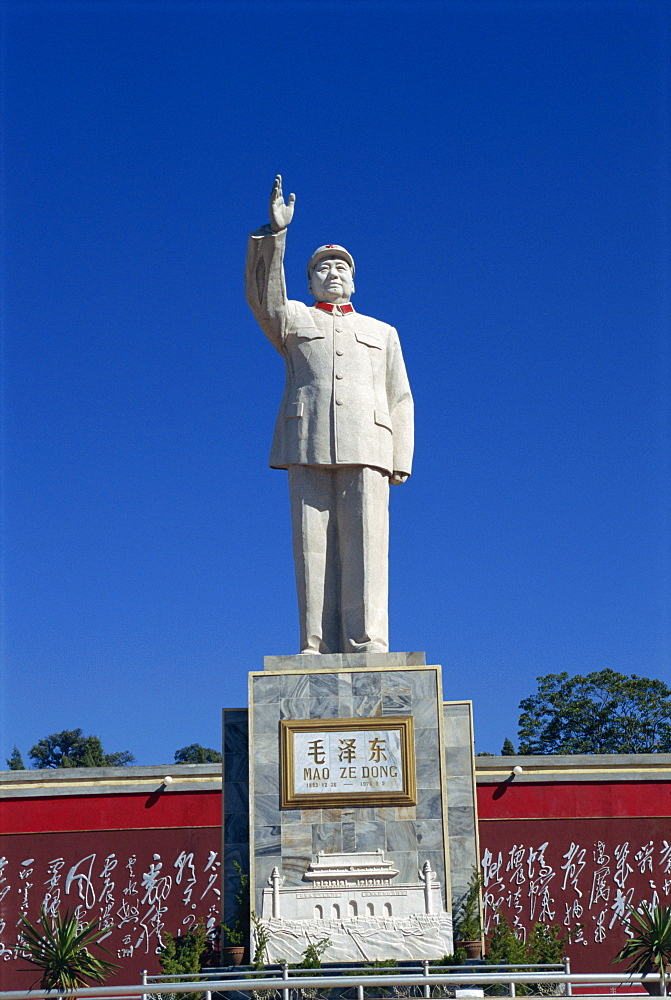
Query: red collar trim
x,y
346,307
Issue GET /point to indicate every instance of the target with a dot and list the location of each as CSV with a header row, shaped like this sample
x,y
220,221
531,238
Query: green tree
x,y
504,947
60,949
545,945
184,954
468,925
15,760
508,748
196,754
603,712
548,944
70,748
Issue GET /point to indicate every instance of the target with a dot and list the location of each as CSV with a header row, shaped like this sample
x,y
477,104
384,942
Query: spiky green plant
x,y
649,950
60,949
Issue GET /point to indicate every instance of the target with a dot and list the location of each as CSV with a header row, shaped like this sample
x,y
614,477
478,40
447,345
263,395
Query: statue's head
x,y
331,274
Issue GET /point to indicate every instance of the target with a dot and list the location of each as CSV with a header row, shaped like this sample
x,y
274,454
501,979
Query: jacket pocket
x,y
383,419
307,333
293,410
369,339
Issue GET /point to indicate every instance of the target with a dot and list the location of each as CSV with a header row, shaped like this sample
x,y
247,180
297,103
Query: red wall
x,y
567,853
570,800
146,864
575,854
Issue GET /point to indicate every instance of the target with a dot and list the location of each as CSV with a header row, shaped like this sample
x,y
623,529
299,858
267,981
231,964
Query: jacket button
x,y
339,402
339,353
338,374
338,329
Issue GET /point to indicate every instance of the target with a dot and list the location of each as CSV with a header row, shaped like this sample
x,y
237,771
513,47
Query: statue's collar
x,y
331,307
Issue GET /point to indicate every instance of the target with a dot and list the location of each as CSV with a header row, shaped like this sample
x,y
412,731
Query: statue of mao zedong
x,y
344,432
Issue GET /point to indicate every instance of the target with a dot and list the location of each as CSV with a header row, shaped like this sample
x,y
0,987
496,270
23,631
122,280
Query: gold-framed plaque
x,y
347,762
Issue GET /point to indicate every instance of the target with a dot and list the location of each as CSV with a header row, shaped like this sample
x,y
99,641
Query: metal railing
x,y
457,972
296,981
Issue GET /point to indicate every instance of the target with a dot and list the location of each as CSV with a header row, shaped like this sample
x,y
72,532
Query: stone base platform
x,y
273,838
343,661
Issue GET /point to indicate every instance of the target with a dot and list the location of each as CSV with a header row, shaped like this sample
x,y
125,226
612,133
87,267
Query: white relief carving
x,y
367,937
366,868
275,882
363,917
427,877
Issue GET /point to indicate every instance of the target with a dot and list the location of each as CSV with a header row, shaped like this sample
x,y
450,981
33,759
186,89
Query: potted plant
x,y
235,932
60,949
469,926
649,950
233,950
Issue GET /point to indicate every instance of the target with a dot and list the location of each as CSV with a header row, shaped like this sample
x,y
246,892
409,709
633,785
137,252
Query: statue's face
x,y
332,281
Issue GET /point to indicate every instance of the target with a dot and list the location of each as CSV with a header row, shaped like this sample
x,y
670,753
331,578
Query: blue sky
x,y
500,172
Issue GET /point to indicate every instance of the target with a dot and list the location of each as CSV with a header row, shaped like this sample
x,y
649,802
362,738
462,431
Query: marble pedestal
x,y
379,877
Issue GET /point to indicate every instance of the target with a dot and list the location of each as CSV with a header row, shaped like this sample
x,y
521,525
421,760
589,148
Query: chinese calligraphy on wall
x,y
582,875
138,884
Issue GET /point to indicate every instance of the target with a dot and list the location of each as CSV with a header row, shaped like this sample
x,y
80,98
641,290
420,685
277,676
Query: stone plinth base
x,y
343,661
319,724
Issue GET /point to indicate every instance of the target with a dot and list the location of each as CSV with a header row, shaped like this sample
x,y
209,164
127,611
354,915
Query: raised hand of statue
x,y
281,213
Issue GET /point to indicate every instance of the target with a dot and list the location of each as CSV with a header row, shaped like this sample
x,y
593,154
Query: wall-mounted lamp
x,y
167,780
517,769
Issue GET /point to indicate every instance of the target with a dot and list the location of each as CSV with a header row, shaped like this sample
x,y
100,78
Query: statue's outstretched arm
x,y
264,272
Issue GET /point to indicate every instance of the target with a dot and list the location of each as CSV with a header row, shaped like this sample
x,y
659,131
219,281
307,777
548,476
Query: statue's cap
x,y
326,253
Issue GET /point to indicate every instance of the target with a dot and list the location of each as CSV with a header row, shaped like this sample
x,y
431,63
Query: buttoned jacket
x,y
347,399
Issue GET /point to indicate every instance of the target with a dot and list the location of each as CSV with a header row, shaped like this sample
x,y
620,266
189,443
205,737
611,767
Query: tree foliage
x,y
70,748
196,754
184,954
545,945
312,956
15,760
603,712
468,925
508,748
60,949
505,947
